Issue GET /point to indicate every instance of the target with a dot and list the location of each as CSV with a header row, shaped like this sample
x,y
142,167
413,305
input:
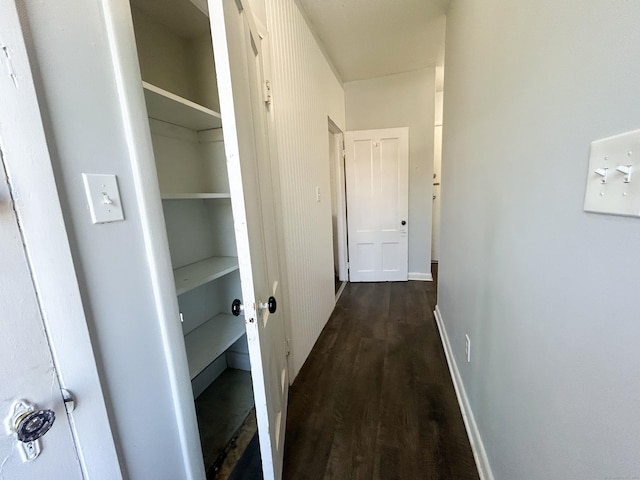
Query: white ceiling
x,y
372,38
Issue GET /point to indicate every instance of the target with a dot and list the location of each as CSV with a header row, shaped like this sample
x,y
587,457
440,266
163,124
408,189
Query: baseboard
x,y
479,453
238,360
208,375
340,290
421,277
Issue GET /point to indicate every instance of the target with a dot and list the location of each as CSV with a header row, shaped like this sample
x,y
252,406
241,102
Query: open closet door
x,y
238,52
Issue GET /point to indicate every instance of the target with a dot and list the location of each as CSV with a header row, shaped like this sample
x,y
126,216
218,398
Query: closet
x,y
175,52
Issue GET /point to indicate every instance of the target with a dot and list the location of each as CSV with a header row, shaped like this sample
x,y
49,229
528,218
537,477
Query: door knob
x,y
236,307
403,222
272,304
31,426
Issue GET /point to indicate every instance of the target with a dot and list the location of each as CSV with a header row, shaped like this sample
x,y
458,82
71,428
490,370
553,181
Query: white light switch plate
x,y
103,197
614,197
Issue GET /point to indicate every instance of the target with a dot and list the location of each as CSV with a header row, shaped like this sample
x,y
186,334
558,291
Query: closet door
x,y
238,52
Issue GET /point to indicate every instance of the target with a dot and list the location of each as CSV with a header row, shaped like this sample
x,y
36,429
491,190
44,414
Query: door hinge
x,y
287,343
266,92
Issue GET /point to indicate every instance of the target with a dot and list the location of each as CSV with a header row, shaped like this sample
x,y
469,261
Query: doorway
x,y
338,207
377,179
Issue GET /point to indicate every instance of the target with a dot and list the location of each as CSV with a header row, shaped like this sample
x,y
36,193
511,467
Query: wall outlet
x,y
467,347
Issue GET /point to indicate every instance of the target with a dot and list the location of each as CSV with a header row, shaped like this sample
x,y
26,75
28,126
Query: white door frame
x,y
122,44
37,207
341,200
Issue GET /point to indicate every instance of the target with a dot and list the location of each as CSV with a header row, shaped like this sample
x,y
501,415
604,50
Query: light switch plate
x,y
103,197
607,192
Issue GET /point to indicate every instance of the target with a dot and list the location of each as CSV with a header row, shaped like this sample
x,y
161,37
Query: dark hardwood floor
x,y
374,399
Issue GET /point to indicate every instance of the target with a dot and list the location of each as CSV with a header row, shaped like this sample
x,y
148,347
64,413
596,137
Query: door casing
x,y
28,166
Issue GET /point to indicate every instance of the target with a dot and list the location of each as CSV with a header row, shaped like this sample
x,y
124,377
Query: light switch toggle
x,y
103,197
603,173
625,170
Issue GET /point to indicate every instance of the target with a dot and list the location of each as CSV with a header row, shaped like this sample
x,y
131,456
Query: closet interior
x,y
178,71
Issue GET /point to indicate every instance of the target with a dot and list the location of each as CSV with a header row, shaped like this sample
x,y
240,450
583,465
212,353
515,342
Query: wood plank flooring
x,y
374,399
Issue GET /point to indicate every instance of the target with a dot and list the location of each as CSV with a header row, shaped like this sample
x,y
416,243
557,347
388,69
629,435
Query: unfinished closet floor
x,y
221,410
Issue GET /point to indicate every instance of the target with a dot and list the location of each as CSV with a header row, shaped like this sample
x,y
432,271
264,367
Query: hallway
x,y
374,399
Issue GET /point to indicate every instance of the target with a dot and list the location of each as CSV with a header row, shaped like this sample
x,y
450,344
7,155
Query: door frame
x,y
133,108
340,187
48,252
124,56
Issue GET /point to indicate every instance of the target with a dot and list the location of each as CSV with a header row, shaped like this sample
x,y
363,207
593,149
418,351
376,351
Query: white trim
x,y
37,206
479,453
119,28
337,137
421,277
340,290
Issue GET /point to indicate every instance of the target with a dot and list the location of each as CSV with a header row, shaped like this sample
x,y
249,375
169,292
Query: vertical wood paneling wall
x,y
305,93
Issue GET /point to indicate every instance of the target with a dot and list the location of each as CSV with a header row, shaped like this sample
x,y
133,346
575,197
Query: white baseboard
x,y
479,453
421,277
238,360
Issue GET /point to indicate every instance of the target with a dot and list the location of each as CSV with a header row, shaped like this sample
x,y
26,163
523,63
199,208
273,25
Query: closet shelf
x,y
196,274
211,339
194,196
170,108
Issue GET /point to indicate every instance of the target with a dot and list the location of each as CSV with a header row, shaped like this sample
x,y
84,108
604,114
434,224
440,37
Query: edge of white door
x,y
28,165
237,44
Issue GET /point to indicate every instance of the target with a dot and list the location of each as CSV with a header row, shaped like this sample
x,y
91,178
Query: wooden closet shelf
x,y
211,339
168,107
195,196
197,274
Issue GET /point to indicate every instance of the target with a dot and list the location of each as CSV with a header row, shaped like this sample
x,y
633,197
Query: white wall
x,y
305,93
548,294
76,86
404,100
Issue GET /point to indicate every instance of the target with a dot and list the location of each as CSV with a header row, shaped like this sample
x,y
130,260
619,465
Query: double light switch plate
x,y
613,182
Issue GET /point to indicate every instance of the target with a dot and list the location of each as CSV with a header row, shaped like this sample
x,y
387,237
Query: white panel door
x,y
377,171
26,366
238,47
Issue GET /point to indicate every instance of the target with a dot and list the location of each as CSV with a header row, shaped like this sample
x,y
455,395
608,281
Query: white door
x,y
238,51
38,282
26,366
377,171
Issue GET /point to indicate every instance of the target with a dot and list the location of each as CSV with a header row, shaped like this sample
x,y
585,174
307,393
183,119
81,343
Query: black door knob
x,y
403,222
236,307
272,304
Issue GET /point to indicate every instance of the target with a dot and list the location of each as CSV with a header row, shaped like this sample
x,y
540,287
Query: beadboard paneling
x,y
305,93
